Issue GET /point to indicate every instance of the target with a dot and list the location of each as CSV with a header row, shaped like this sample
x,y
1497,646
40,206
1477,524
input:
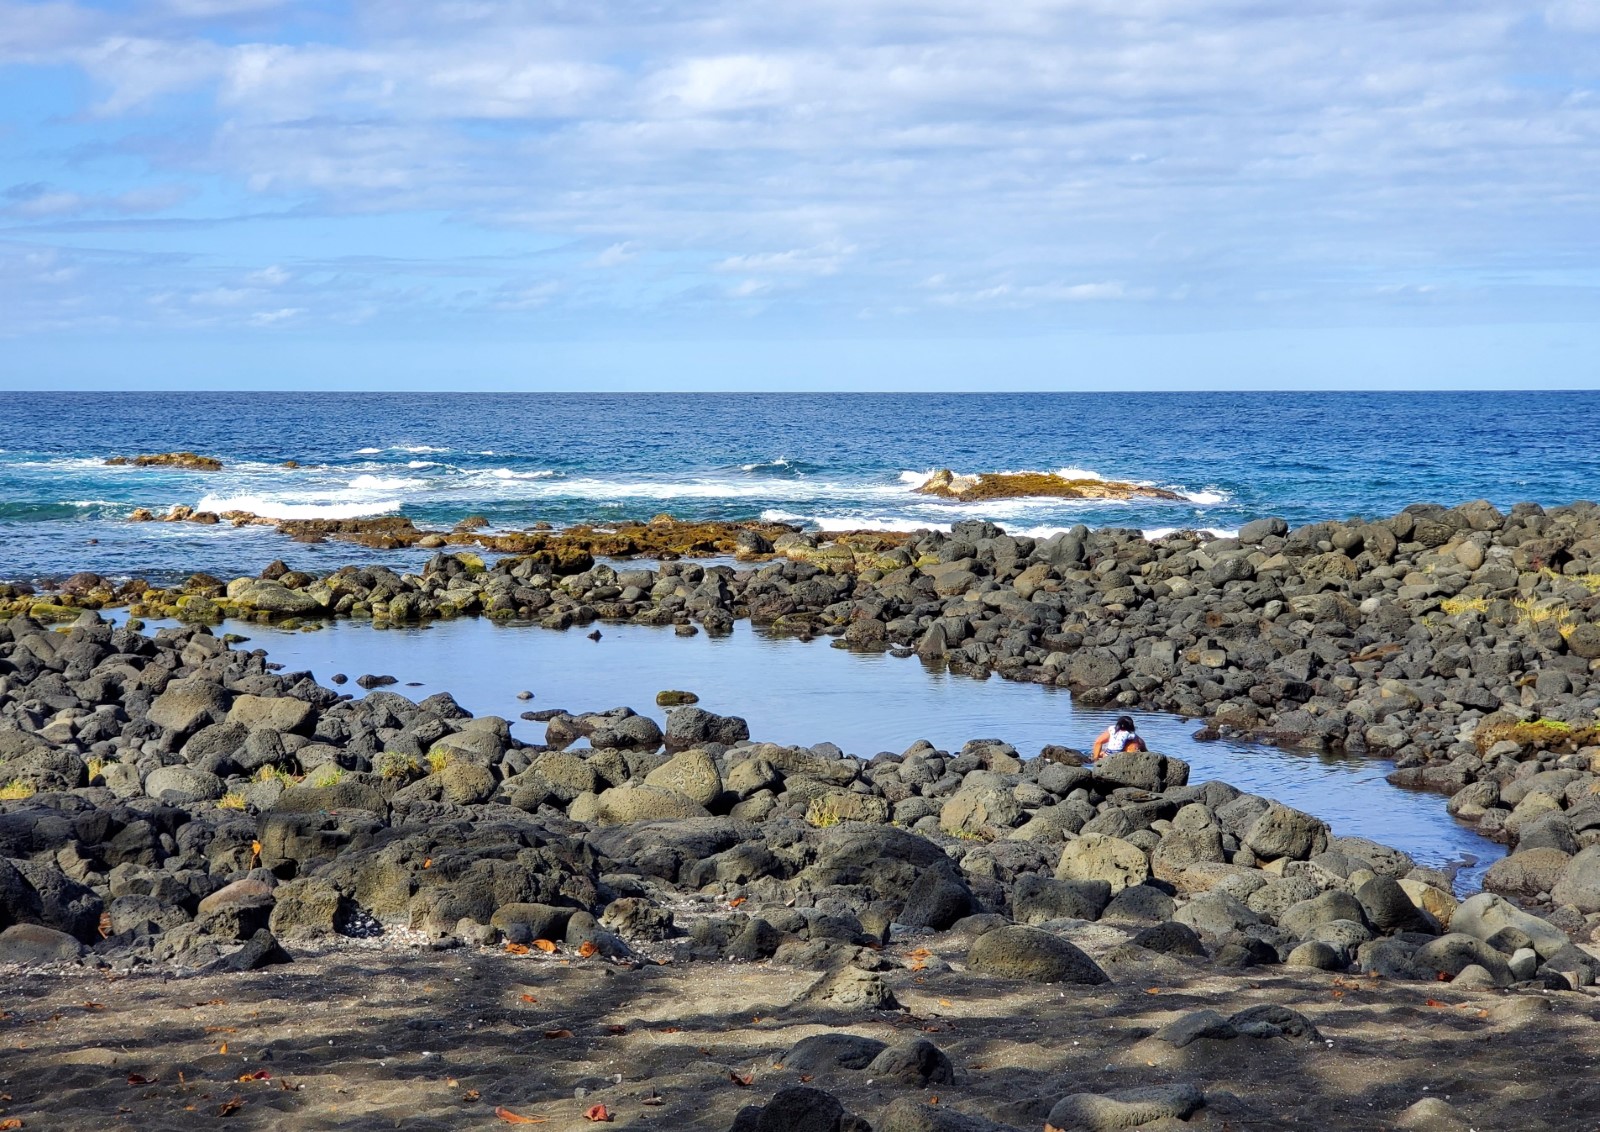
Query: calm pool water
x,y
806,692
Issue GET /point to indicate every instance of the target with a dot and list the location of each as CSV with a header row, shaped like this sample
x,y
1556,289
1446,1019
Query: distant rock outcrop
x,y
945,484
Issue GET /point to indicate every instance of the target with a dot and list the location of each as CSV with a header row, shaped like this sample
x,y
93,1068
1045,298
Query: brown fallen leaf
x,y
10,1122
597,1114
805,1077
614,1029
554,1034
670,1030
737,900
510,1117
141,1079
428,864
230,1106
471,1095
258,1075
223,1048
222,1029
545,945
743,1080
945,1002
587,948
105,925
1435,1002
519,949
288,1088
94,1006
529,999
1152,990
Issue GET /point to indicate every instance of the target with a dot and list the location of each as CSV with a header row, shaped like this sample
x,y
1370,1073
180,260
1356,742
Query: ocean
x,y
824,461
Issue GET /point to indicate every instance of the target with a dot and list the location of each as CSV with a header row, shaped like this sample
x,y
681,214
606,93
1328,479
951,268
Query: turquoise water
x,y
823,461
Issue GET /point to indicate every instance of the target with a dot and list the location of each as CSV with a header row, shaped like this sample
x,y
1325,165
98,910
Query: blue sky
x,y
840,194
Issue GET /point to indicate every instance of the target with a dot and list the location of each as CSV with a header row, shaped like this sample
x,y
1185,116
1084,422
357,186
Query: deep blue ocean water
x,y
824,460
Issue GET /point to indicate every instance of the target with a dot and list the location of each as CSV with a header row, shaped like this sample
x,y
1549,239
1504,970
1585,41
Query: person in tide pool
x,y
1120,736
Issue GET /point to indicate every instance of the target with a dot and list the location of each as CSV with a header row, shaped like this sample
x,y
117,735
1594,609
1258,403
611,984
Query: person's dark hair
x,y
1125,723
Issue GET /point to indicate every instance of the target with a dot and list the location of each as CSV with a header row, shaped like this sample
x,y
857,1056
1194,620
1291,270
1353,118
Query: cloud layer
x,y
628,167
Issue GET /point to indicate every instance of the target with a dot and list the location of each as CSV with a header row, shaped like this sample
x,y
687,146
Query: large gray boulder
x,y
688,726
181,785
36,945
1125,1108
1579,883
188,705
1484,915
1015,952
1142,770
281,713
692,773
1285,832
1096,856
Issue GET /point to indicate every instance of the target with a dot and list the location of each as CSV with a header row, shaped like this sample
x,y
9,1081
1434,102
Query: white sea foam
x,y
385,483
368,451
508,474
780,462
312,505
1205,498
1163,532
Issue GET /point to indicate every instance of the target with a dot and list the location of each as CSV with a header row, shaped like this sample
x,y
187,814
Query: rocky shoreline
x,y
1460,642
174,804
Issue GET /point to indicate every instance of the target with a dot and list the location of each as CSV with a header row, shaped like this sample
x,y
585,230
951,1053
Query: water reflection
x,y
806,692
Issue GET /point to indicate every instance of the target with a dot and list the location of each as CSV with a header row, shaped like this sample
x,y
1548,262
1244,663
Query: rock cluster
x,y
189,461
945,484
168,799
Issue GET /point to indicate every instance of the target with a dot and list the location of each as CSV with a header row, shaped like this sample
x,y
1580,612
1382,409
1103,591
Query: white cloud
x,y
274,317
796,261
273,276
616,255
1039,155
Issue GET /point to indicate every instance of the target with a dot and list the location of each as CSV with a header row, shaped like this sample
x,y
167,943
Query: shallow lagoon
x,y
808,692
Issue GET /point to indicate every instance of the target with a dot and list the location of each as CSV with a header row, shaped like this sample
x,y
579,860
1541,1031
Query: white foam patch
x,y
1153,533
780,462
385,483
315,508
508,474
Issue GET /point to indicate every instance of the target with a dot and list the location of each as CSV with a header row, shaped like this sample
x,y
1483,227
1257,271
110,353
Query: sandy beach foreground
x,y
428,1040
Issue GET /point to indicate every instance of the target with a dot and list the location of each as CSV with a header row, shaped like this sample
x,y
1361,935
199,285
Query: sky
x,y
839,194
